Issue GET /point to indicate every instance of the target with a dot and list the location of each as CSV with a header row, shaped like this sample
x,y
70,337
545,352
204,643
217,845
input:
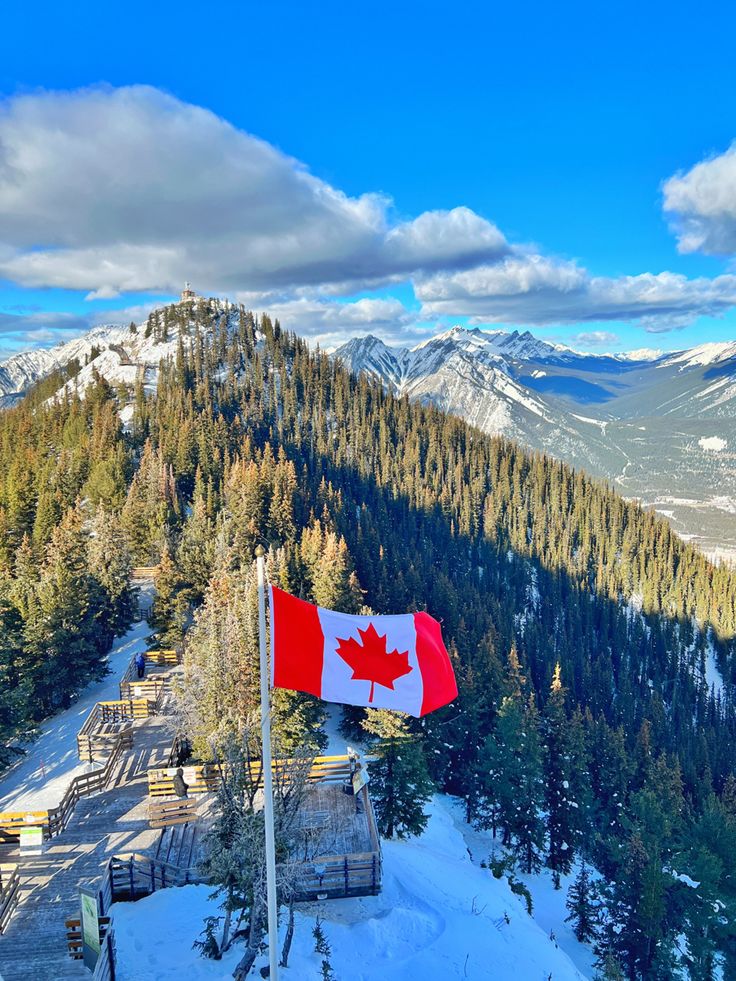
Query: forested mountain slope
x,y
625,753
659,426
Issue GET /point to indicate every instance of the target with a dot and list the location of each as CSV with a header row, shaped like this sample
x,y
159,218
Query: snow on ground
x,y
39,779
549,908
439,917
713,677
714,443
126,416
337,744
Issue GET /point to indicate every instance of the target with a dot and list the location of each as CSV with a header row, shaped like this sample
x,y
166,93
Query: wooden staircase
x,y
178,845
34,946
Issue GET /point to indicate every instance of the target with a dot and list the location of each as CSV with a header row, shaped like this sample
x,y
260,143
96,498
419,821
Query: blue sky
x,y
510,165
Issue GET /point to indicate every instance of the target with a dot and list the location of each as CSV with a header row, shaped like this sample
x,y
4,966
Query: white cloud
x,y
121,190
113,191
701,204
537,290
330,323
596,338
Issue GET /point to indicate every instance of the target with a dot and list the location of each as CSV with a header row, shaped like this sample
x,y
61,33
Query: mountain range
x,y
661,427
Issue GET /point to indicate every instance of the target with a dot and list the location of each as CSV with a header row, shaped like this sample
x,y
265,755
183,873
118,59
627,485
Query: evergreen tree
x,y
559,804
581,906
110,564
170,606
400,786
513,787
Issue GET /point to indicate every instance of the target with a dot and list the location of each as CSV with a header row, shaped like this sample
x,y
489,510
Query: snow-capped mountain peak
x,y
705,354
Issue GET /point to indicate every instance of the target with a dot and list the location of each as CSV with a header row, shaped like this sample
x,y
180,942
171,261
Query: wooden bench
x,y
11,823
164,813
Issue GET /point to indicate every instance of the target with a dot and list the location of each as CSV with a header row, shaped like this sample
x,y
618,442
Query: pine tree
x,y
169,609
400,786
15,685
560,807
512,785
581,906
195,555
59,633
109,563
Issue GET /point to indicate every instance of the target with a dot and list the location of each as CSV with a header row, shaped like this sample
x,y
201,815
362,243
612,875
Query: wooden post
x,y
111,954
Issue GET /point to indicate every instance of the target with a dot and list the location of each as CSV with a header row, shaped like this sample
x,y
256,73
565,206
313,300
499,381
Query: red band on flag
x,y
297,643
437,674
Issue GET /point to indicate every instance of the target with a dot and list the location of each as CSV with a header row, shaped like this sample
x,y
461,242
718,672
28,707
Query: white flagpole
x,y
273,928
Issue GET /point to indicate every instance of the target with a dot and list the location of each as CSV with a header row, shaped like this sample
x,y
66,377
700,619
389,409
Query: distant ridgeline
x,y
627,753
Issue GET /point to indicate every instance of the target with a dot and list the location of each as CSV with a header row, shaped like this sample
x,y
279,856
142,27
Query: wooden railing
x,y
333,876
164,658
152,687
348,875
133,876
143,572
88,783
200,779
9,893
91,740
180,750
106,963
126,877
54,820
204,777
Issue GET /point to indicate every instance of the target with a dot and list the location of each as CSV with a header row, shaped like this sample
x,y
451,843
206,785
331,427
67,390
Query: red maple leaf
x,y
371,661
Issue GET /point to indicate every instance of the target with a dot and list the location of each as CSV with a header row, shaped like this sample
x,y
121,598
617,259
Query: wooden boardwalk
x,y
34,947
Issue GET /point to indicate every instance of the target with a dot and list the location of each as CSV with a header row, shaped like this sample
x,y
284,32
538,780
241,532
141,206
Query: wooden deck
x,y
34,946
337,852
329,823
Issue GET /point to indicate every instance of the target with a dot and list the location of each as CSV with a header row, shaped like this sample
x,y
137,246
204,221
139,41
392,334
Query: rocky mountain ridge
x,y
661,427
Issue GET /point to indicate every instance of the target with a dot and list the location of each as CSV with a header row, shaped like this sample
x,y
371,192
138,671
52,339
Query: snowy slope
x,y
704,354
131,350
438,918
40,778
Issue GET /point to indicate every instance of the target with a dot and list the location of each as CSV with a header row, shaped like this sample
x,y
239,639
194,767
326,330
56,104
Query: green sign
x,y
90,926
31,840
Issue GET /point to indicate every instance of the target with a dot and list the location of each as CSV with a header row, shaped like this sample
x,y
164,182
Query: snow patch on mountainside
x,y
704,354
109,364
714,443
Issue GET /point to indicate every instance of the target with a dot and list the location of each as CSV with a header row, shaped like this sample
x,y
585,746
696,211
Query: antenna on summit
x,y
187,293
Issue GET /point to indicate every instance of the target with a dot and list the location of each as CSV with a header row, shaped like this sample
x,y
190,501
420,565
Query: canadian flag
x,y
391,662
